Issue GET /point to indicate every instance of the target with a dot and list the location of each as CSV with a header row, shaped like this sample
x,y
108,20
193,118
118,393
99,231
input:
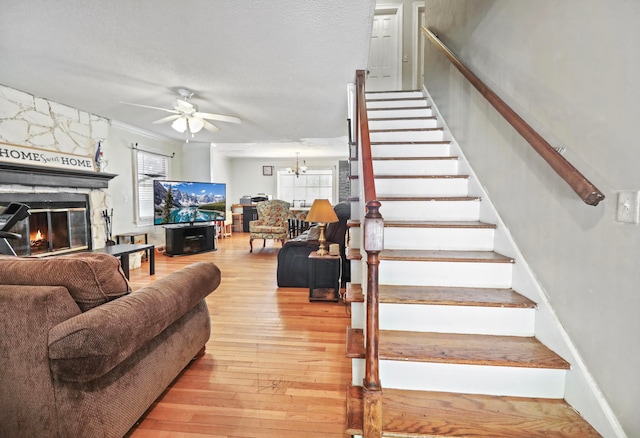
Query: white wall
x,y
247,179
569,69
120,160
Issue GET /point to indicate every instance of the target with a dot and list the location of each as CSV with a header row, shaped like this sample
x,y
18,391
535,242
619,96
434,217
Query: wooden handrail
x,y
581,185
372,243
365,142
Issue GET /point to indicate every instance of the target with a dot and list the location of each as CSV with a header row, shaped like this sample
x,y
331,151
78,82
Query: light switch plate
x,y
628,210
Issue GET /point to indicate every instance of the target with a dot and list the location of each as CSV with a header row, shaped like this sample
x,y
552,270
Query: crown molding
x,y
142,132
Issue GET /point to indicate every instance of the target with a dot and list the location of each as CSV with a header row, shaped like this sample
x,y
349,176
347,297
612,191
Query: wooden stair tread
x,y
438,224
453,348
444,296
396,108
394,99
454,296
353,293
444,256
428,198
393,91
414,158
442,414
353,253
406,130
409,143
428,224
388,119
421,177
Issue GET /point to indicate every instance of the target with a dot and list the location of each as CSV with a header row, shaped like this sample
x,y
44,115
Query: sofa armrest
x,y
92,344
26,391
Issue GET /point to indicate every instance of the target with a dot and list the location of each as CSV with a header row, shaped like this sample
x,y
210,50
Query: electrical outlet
x,y
628,210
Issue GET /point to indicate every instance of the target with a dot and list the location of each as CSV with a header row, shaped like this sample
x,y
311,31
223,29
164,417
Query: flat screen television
x,y
183,202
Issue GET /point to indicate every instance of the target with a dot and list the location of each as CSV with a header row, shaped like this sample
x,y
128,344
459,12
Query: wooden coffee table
x,y
123,252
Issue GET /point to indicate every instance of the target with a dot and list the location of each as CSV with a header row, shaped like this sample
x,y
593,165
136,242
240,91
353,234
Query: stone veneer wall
x,y
27,120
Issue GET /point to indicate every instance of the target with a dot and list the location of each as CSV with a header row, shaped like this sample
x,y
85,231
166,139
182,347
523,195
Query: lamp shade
x,y
322,211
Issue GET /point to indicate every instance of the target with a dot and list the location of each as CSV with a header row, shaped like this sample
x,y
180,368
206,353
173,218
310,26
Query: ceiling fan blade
x,y
166,119
219,117
152,107
209,127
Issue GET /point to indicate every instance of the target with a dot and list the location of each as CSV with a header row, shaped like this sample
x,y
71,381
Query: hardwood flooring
x,y
275,364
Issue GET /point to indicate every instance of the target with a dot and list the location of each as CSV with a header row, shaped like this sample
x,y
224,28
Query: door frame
x,y
417,41
398,10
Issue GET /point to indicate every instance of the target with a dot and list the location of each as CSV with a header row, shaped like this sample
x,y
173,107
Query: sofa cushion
x,y
91,279
93,343
313,233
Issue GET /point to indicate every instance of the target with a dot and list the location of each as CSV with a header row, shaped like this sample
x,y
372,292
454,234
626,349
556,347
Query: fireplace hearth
x,y
59,223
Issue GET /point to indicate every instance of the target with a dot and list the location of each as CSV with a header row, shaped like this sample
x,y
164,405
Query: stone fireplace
x,y
65,208
39,142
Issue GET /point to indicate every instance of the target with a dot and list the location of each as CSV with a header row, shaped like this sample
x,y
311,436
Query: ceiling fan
x,y
186,117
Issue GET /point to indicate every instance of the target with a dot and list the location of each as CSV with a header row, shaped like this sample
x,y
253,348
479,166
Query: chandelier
x,y
298,170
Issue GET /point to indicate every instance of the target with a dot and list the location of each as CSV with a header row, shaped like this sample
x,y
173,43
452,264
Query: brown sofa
x,y
81,355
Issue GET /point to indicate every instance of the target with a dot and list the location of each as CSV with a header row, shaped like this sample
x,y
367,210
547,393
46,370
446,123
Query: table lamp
x,y
322,213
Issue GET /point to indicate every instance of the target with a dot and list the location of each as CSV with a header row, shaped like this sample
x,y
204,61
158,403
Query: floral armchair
x,y
272,222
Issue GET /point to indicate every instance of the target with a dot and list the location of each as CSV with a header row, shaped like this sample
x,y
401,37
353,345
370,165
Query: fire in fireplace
x,y
58,223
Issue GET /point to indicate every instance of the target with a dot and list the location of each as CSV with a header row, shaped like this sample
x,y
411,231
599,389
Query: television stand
x,y
190,239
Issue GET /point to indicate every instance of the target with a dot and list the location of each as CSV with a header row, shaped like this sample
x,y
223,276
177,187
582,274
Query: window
x,y
301,190
149,166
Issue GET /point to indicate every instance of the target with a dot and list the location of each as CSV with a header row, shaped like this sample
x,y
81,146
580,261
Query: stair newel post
x,y
373,244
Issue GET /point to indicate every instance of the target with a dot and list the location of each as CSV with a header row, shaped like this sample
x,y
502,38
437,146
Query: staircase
x,y
457,347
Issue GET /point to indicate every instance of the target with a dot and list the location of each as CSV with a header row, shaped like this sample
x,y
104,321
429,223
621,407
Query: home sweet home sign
x,y
16,154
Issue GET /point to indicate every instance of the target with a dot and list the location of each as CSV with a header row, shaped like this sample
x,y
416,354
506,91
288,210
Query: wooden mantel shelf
x,y
21,174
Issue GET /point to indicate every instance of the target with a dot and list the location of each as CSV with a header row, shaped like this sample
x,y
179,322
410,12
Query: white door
x,y
384,63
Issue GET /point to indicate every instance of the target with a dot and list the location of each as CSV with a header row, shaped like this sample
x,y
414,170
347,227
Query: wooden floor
x,y
275,365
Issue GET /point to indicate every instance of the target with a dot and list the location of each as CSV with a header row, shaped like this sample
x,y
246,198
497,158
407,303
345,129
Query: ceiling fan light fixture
x,y
195,124
180,124
186,117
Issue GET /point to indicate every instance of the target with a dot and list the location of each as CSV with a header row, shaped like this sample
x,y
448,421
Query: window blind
x,y
149,167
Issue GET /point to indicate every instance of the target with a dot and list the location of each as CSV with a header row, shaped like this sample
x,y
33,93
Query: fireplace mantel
x,y
21,174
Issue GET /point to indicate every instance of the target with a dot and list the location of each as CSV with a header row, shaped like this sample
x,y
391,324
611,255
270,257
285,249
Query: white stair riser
x,y
413,103
469,379
356,272
354,187
402,124
434,135
468,239
465,274
457,319
395,95
400,113
431,210
415,167
358,315
479,320
355,237
410,150
421,187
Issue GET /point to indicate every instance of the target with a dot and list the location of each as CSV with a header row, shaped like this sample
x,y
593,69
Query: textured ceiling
x,y
282,66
